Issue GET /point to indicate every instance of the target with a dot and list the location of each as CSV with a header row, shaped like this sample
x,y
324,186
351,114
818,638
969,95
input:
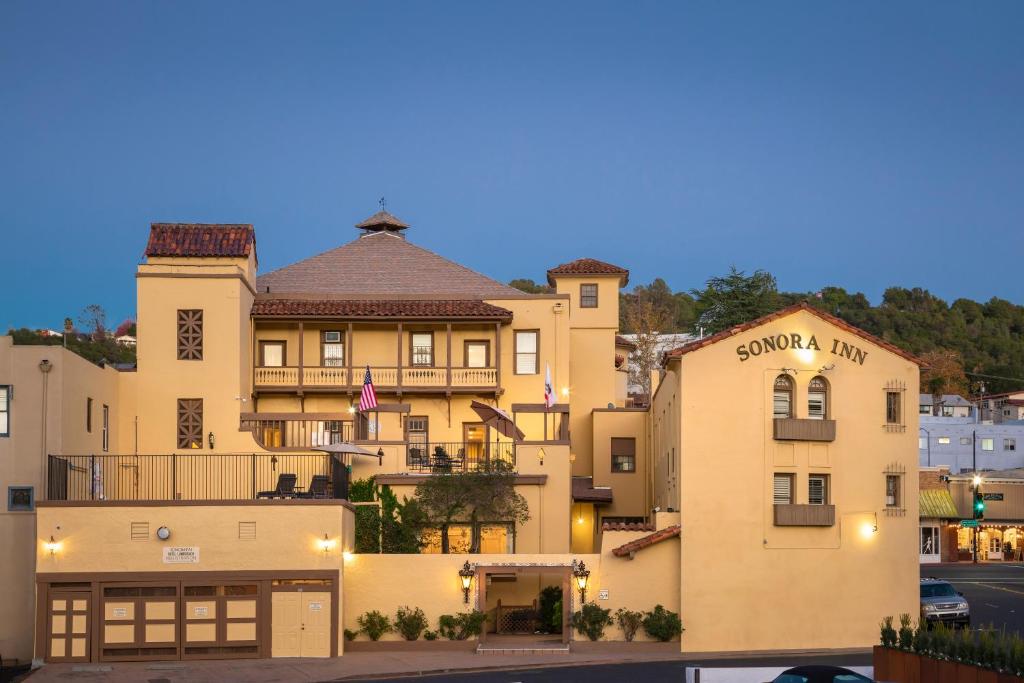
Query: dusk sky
x,y
862,145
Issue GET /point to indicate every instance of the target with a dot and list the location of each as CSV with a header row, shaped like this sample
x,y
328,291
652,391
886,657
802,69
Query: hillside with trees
x,y
90,338
986,339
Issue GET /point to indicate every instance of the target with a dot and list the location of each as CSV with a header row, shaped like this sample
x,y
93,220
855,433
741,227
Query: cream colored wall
x,y
607,312
630,490
665,440
23,458
650,578
789,573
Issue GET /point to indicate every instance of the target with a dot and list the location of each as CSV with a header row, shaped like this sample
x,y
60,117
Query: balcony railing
x,y
459,456
194,477
299,431
410,377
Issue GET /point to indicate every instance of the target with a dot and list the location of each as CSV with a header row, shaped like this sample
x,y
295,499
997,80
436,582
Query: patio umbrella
x,y
498,419
344,449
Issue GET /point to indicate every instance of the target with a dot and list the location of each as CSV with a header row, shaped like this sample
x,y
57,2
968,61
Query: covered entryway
x,y
301,624
508,594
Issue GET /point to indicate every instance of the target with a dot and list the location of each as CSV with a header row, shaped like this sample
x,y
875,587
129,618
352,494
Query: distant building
x,y
949,405
126,340
938,536
963,445
1001,407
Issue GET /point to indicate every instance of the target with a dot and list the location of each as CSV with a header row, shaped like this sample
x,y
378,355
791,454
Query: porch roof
x,y
584,491
937,503
273,307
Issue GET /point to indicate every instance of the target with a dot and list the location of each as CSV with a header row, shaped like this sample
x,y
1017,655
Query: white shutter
x,y
783,489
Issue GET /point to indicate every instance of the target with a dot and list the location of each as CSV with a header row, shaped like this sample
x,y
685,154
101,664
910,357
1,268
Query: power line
x,y
978,374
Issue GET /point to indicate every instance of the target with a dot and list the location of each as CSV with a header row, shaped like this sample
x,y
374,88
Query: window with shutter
x,y
782,398
272,354
623,454
817,399
783,489
817,489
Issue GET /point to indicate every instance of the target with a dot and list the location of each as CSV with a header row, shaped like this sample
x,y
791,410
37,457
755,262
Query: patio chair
x,y
319,487
417,459
285,487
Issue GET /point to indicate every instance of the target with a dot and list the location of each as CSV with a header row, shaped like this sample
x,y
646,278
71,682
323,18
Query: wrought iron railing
x,y
459,456
194,477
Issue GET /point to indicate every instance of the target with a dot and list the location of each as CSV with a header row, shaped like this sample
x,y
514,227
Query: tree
x,y
646,317
530,287
491,495
734,299
94,320
943,373
442,500
126,327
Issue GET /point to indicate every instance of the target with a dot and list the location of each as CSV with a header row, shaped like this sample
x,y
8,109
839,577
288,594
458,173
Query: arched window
x,y
817,399
782,398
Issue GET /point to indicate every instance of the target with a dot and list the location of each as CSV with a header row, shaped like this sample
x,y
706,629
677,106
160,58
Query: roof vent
x,y
382,221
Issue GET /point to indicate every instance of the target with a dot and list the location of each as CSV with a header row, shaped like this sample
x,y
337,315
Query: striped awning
x,y
937,503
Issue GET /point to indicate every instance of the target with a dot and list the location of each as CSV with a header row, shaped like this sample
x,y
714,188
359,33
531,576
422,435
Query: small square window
x,y
944,440
1009,444
965,441
588,296
988,444
892,490
922,442
21,499
623,453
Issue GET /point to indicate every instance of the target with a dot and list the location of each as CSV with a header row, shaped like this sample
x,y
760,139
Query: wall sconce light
x,y
52,546
565,391
540,456
326,544
163,533
351,410
380,456
869,529
210,438
582,576
466,575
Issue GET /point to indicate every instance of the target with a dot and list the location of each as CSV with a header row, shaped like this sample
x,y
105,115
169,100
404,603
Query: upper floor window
x,y
88,415
893,412
623,454
526,344
190,334
944,440
965,441
892,490
988,444
190,423
782,398
5,410
817,399
272,354
106,428
332,349
782,489
588,296
817,489
926,410
478,354
1009,444
422,348
947,411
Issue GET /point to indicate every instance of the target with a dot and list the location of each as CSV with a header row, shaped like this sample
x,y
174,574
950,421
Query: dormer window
x,y
782,397
588,295
817,399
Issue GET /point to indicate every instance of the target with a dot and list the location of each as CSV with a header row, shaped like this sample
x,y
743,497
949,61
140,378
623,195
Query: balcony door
x,y
474,436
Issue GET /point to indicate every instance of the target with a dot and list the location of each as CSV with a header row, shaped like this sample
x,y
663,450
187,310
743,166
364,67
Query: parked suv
x,y
941,603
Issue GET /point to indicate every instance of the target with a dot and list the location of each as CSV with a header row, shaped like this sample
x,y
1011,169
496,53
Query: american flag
x,y
368,399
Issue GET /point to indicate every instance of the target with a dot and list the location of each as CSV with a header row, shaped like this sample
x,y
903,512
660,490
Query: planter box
x,y
897,666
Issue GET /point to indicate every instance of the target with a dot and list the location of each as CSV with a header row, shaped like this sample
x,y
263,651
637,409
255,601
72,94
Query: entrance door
x,y
474,435
68,627
301,624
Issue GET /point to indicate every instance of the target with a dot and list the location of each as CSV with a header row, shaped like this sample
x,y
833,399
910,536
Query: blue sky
x,y
859,144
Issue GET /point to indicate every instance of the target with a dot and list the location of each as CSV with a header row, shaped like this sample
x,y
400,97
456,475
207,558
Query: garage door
x,y
220,620
139,622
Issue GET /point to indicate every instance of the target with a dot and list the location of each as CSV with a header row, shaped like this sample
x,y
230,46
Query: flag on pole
x,y
549,391
367,399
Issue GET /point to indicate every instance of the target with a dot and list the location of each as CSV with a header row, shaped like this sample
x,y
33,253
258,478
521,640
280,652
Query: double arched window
x,y
782,397
817,399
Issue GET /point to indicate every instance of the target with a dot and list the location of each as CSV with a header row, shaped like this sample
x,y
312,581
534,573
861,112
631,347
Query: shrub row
x,y
988,648
411,623
660,623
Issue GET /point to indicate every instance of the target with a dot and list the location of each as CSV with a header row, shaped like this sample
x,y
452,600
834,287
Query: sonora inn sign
x,y
781,342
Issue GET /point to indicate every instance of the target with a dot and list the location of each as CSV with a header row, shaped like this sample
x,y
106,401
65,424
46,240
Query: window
x,y
1009,444
892,490
495,537
926,410
922,442
417,433
272,354
817,489
817,399
988,444
422,348
588,296
783,489
893,414
947,411
332,349
20,499
965,441
782,398
5,410
623,454
190,423
944,440
929,540
106,428
478,354
526,352
88,415
190,334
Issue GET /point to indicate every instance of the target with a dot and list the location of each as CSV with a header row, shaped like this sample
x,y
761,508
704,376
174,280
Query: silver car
x,y
941,603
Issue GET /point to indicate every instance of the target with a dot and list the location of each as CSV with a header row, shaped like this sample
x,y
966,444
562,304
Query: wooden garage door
x,y
138,622
220,621
67,629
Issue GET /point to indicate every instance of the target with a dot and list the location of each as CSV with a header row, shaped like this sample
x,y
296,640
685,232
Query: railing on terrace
x,y
300,431
193,477
411,377
459,456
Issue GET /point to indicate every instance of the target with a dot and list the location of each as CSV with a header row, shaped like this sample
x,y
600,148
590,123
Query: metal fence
x,y
459,456
194,477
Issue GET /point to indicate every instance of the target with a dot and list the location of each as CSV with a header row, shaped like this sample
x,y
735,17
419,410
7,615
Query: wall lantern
x,y
163,533
466,574
325,544
210,437
540,456
52,546
582,576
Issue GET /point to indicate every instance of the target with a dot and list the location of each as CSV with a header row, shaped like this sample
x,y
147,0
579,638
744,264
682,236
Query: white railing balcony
x,y
409,377
325,377
277,377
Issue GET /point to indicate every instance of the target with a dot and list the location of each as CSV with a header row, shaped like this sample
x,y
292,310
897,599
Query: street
x,y
995,591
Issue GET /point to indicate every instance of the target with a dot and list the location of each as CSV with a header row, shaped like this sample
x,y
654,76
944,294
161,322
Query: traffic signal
x,y
979,505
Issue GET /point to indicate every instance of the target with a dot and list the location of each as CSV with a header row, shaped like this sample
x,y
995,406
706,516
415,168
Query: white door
x,y
929,550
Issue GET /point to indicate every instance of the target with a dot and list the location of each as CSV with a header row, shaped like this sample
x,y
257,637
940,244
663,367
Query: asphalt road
x,y
995,591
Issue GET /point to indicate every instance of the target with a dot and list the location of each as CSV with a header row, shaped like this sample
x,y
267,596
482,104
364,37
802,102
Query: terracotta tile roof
x,y
782,313
272,307
383,265
588,266
583,491
622,341
628,549
385,220
627,526
200,239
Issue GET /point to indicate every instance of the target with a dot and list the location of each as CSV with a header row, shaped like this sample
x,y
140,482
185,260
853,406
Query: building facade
x,y
964,445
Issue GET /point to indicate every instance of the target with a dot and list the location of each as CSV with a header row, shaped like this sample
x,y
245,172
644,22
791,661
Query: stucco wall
x,y
630,490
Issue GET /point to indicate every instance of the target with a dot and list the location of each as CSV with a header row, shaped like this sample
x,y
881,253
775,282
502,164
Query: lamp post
x,y
582,576
466,575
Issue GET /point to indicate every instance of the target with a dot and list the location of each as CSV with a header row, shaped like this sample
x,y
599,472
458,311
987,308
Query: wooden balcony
x,y
793,429
805,515
405,379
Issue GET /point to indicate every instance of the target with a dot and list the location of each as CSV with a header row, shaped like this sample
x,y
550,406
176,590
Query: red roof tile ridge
x,y
628,549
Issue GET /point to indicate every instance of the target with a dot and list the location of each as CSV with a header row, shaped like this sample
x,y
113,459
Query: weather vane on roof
x,y
383,204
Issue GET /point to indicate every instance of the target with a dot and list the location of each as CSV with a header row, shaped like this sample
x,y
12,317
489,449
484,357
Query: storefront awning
x,y
937,504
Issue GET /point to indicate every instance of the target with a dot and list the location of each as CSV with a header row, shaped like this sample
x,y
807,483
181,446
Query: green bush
x,y
462,625
591,621
888,633
629,622
987,647
374,624
410,622
549,610
430,635
350,635
905,636
662,624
